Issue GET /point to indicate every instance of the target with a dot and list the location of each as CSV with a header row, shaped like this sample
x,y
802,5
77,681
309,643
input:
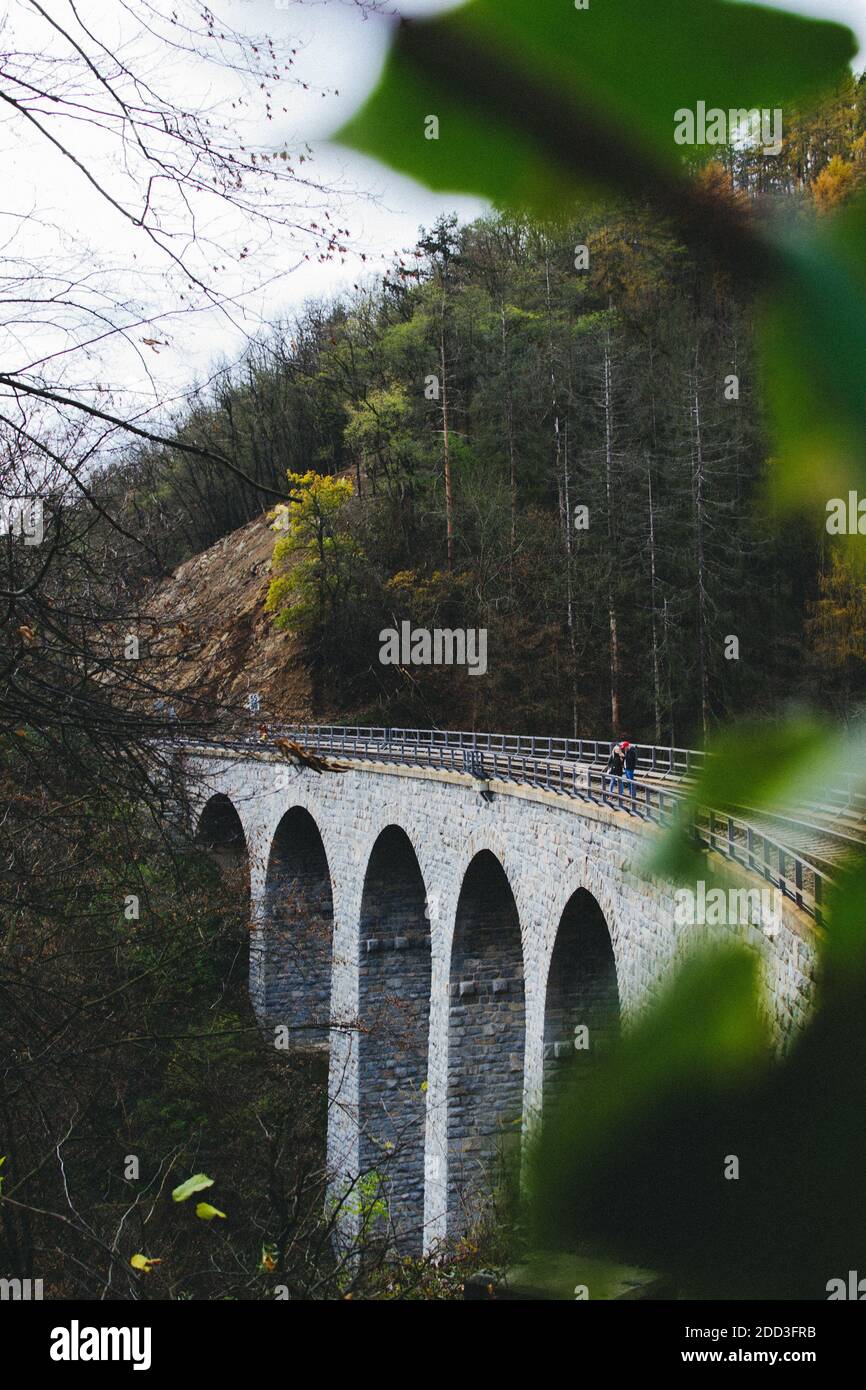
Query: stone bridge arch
x,y
220,831
296,926
394,968
486,1041
582,1012
456,846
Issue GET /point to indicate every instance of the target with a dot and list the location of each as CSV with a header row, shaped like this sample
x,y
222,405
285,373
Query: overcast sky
x,y
347,52
340,49
48,211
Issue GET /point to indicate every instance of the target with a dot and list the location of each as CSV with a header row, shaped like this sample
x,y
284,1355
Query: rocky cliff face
x,y
210,617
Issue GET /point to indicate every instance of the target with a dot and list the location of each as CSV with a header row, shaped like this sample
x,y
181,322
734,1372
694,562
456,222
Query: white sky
x,y
340,49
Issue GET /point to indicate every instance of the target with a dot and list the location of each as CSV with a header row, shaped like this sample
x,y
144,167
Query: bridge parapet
x,y
497,757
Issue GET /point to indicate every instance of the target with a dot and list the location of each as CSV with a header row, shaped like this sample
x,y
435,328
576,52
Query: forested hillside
x,y
553,432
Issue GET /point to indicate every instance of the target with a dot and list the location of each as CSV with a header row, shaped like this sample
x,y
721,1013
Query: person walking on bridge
x,y
630,760
614,767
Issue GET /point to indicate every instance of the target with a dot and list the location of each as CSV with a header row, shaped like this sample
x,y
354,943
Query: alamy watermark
x,y
421,646
846,516
77,1343
736,907
853,1288
718,127
20,1290
22,516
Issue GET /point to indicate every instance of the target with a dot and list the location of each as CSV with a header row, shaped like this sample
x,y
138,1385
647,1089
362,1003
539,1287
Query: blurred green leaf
x,y
197,1183
625,67
813,341
780,762
634,1159
781,765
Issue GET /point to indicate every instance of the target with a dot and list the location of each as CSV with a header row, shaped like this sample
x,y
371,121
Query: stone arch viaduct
x,y
444,935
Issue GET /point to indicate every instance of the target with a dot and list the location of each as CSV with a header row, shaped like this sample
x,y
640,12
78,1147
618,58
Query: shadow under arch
x,y
582,1004
394,1013
297,930
486,1042
220,831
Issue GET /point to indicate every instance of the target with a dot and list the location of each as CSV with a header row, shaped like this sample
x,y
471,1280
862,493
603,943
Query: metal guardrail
x,y
680,761
481,757
660,759
795,877
845,797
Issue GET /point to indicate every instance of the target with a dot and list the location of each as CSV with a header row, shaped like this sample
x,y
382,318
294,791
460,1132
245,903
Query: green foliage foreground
x,y
635,1160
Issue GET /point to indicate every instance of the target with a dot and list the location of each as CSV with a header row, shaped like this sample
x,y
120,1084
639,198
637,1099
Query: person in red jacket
x,y
630,760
